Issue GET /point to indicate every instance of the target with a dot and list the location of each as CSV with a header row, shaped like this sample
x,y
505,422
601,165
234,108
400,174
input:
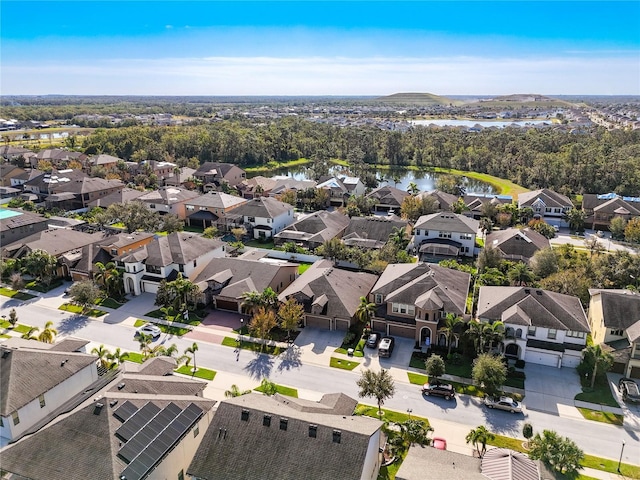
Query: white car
x,y
149,329
503,403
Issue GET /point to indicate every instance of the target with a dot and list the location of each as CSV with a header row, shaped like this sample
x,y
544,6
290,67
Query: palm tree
x,y
377,385
269,299
31,334
103,355
235,391
398,237
413,189
145,344
474,332
449,329
492,333
415,431
479,435
365,310
118,356
251,301
520,274
48,334
602,360
486,225
192,351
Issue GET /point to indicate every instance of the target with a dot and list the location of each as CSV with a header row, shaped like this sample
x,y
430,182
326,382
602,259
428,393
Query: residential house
x,y
476,203
166,200
164,258
17,224
372,232
444,234
601,209
36,382
20,179
547,205
263,217
14,154
443,200
289,183
441,465
257,186
341,188
7,193
517,244
161,170
313,230
293,439
387,198
614,318
46,183
58,158
108,162
140,426
182,178
78,193
223,281
213,209
330,295
541,327
412,299
214,174
8,172
122,196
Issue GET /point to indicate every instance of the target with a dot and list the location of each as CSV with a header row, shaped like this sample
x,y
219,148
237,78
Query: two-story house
x,y
341,188
35,382
58,157
213,210
330,295
372,232
263,217
16,225
444,234
547,205
168,200
601,209
541,327
164,258
476,204
78,193
214,174
387,199
517,244
443,200
313,230
614,318
412,299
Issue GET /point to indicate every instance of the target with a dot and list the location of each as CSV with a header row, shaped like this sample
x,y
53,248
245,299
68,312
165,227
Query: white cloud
x,y
328,76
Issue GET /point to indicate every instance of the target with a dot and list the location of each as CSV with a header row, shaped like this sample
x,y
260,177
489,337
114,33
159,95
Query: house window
x,y
283,423
444,234
152,205
418,231
196,430
618,333
547,210
532,331
190,207
15,417
378,298
466,236
181,475
552,333
41,400
114,251
313,431
251,219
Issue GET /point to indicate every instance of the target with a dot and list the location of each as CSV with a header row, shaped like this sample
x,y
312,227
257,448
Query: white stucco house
x,y
547,205
444,234
263,217
541,327
166,257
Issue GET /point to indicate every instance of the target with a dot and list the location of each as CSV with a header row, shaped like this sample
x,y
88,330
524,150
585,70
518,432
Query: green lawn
x,y
168,329
356,353
461,388
41,287
501,441
139,323
515,383
282,390
20,328
462,370
604,417
343,364
268,244
391,415
273,165
94,312
202,373
135,357
110,302
417,378
7,292
4,336
254,347
194,318
303,267
600,395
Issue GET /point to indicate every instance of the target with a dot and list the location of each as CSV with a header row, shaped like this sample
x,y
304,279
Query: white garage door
x,y
571,361
541,358
150,287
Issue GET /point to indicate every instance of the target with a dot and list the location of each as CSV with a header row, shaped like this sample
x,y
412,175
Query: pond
x,y
399,178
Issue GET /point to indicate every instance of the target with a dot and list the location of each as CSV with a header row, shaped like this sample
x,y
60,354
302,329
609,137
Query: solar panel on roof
x,y
164,442
138,420
125,411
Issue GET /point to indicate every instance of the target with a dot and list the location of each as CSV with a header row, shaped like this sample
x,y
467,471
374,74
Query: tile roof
x,y
231,445
30,372
448,221
177,248
540,308
343,288
388,195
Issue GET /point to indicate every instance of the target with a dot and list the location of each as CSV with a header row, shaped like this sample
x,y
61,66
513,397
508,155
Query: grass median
x,y
282,390
202,373
343,364
8,292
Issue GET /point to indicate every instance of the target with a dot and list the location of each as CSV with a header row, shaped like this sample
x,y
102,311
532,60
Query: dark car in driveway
x,y
629,390
372,340
440,389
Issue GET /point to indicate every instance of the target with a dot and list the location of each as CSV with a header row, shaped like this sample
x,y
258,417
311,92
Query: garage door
x,y
318,322
150,287
635,372
618,367
227,305
571,361
541,358
400,331
342,324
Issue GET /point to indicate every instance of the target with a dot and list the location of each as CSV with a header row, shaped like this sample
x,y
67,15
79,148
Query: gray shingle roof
x,y
506,464
57,241
375,230
440,465
544,308
169,195
22,220
176,248
231,445
449,222
263,207
517,242
29,372
319,227
620,308
159,385
388,195
549,197
217,200
123,196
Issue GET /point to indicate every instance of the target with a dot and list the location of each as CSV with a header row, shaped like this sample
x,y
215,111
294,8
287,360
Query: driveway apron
x,y
549,389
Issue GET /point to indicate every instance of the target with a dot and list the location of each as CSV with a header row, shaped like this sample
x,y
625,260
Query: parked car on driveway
x,y
372,340
629,390
438,388
385,349
149,329
503,403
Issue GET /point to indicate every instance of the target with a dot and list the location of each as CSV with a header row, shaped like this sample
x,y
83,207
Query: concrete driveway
x,y
318,341
550,389
631,411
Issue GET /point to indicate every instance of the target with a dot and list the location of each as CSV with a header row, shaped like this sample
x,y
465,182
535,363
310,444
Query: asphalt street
x,y
595,438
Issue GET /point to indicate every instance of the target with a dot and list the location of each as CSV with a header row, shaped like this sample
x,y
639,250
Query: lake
x,y
424,180
483,123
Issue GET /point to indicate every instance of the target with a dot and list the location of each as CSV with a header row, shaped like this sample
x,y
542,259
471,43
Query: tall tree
x,y
560,453
378,385
520,274
262,323
450,328
575,218
489,372
192,352
435,366
251,301
365,310
290,315
13,317
102,354
598,359
84,293
40,264
479,437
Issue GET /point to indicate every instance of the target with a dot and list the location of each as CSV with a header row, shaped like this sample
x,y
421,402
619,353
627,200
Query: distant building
x,y
17,224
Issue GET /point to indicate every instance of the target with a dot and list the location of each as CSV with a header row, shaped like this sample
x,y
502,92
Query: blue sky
x,y
319,48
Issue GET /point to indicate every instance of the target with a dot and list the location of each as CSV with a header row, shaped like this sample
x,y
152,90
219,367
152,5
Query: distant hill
x,y
415,99
530,100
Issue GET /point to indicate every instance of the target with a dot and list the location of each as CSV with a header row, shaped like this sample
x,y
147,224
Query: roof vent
x,y
527,291
113,403
313,431
121,386
244,416
97,408
63,362
538,292
337,435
